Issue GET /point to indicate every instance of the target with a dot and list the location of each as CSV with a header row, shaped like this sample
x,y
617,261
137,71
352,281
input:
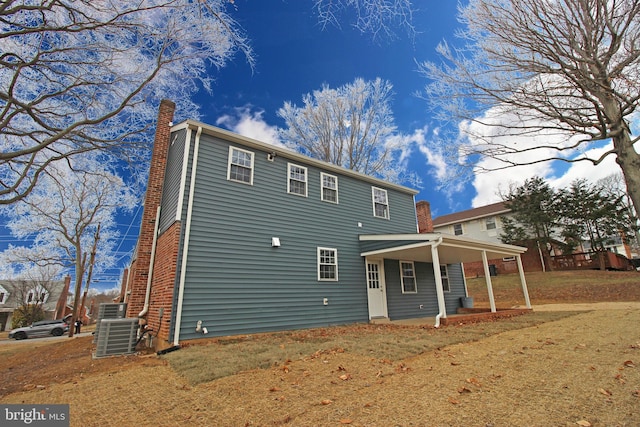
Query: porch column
x,y
525,291
487,277
435,258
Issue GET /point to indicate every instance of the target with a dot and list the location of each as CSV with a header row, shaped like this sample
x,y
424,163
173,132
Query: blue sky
x,y
295,56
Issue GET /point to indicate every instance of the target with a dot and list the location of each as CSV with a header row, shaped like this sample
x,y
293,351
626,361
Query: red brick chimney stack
x,y
423,212
153,196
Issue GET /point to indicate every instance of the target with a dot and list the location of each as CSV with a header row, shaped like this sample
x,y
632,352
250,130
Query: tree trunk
x,y
629,161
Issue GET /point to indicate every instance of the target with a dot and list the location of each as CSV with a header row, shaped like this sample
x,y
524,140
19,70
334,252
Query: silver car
x,y
43,328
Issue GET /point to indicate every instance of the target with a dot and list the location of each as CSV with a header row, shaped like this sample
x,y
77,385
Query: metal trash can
x,y
467,302
493,270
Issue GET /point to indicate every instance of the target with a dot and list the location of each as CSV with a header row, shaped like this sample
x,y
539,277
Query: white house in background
x,y
483,223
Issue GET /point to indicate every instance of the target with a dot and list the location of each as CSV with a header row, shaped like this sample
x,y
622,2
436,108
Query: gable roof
x,y
286,153
12,302
471,214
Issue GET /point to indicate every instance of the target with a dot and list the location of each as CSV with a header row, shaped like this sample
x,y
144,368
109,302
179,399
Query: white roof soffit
x,y
452,250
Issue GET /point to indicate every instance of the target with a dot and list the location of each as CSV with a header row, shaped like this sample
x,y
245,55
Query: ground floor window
x,y
327,264
444,275
408,277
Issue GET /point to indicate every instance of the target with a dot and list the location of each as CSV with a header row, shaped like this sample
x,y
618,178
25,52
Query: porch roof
x,y
451,249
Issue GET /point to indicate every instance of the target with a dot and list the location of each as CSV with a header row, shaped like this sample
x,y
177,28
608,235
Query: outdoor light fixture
x,y
275,242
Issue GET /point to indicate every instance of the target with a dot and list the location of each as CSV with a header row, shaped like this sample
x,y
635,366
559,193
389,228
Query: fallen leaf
x,y
285,369
584,423
345,377
345,421
454,401
455,364
629,364
327,402
274,389
463,390
474,381
605,392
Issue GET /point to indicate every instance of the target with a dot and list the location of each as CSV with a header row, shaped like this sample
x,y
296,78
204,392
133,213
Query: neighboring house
x,y
239,236
12,293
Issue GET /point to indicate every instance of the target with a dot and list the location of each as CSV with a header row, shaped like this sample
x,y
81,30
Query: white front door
x,y
376,290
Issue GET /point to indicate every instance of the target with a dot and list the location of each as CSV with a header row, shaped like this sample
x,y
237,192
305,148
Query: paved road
x,y
7,341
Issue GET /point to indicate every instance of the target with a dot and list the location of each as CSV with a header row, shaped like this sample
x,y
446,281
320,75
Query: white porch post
x,y
487,277
525,291
435,258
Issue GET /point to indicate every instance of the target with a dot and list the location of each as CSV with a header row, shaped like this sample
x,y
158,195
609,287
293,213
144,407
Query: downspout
x,y
435,258
147,296
187,236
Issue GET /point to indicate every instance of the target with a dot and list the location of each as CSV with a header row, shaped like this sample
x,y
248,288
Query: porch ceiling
x,y
451,250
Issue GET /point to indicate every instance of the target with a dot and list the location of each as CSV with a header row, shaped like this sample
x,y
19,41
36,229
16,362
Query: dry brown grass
x,y
540,369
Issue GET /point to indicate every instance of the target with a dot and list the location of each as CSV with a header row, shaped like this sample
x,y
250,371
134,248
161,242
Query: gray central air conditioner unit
x,y
117,336
109,311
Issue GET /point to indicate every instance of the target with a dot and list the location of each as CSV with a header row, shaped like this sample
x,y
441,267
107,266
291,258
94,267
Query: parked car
x,y
42,328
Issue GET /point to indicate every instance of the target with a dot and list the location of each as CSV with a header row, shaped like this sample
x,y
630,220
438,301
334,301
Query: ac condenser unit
x,y
109,311
117,336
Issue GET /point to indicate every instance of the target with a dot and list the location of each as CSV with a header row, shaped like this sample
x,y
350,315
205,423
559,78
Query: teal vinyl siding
x,y
237,283
407,306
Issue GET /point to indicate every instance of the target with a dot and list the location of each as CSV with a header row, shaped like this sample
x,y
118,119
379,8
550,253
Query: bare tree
x,y
60,218
567,71
351,126
376,17
83,76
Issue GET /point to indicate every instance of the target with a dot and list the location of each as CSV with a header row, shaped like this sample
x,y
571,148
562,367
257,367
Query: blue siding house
x,y
241,237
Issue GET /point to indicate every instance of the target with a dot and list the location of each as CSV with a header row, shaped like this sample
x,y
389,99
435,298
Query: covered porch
x,y
435,249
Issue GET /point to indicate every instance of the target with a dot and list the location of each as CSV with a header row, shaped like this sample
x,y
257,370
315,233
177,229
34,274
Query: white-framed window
x,y
4,295
240,165
490,223
458,230
408,277
297,182
509,258
380,202
329,184
36,296
327,264
444,275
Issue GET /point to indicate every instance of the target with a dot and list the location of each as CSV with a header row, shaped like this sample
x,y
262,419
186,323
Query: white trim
x,y
335,255
453,229
187,235
373,202
287,154
322,187
396,248
306,179
402,276
229,163
4,293
183,175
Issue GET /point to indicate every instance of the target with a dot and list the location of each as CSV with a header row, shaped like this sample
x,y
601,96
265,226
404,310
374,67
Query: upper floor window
x,y
327,264
329,188
408,277
240,165
491,223
3,295
380,202
444,275
457,229
297,180
36,296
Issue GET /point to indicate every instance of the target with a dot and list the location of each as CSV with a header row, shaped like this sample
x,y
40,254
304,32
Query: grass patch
x,y
200,363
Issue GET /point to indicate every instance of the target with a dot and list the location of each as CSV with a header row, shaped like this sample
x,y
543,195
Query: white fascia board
x,y
286,153
397,248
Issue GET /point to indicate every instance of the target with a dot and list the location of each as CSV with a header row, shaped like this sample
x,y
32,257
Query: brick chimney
x,y
423,212
153,197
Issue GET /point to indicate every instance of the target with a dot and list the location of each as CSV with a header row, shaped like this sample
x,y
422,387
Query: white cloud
x,y
530,149
250,124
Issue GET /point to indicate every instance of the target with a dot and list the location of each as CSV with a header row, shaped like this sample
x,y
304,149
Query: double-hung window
x,y
380,202
327,264
240,166
297,183
458,230
444,275
329,185
408,277
490,223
